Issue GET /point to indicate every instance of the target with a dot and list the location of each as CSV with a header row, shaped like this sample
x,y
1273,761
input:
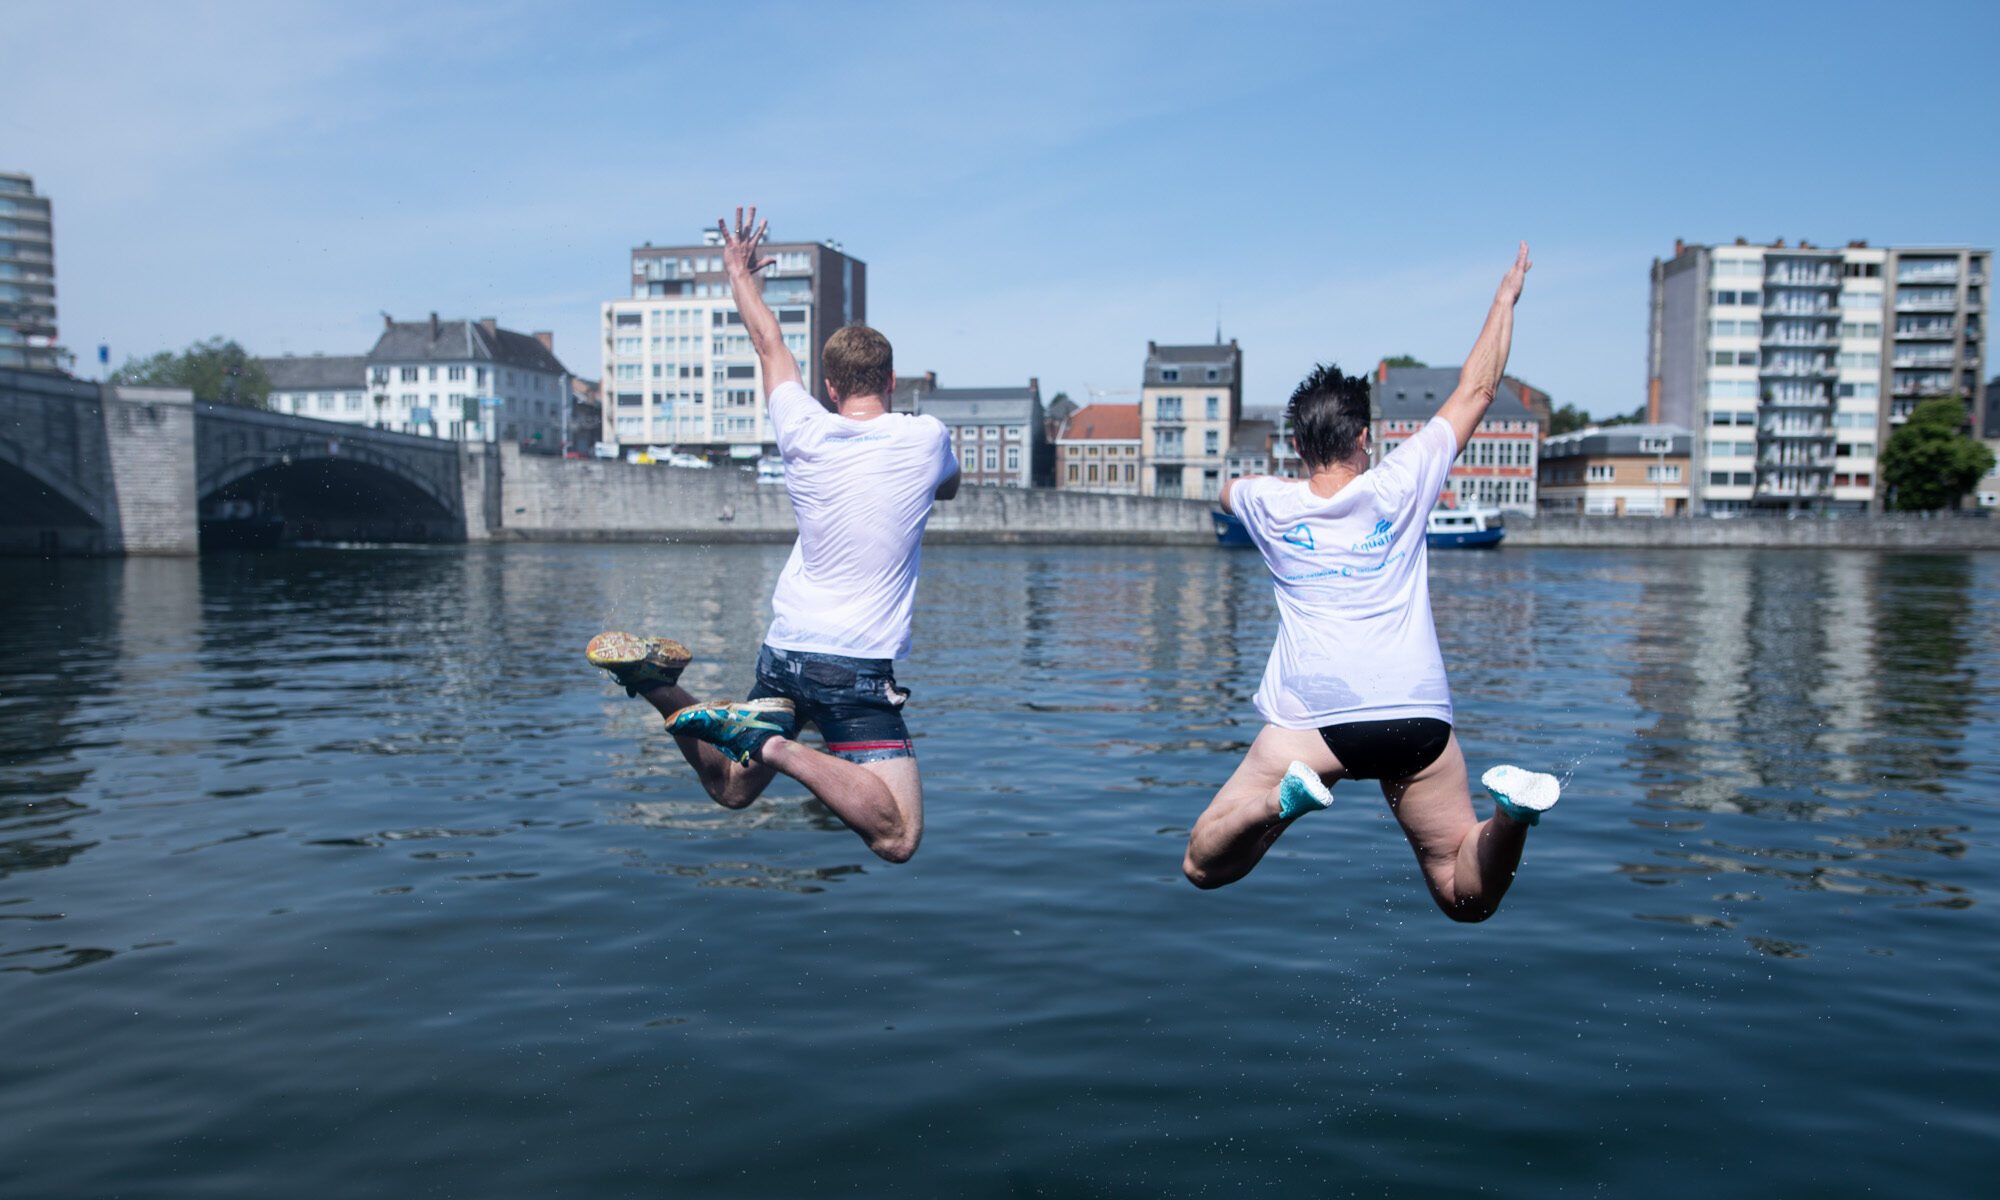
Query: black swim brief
x,y
854,702
1387,749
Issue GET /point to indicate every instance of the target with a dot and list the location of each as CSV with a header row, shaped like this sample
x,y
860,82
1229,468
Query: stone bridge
x,y
86,469
329,481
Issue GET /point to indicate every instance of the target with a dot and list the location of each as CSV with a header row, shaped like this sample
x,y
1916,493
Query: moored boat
x,y
1464,528
1229,530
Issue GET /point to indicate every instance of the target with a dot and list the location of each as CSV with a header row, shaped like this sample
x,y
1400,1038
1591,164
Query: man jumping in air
x,y
862,480
1355,688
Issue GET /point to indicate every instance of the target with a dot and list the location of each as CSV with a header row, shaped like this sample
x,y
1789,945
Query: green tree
x,y
1636,417
1403,360
217,370
1929,463
1567,419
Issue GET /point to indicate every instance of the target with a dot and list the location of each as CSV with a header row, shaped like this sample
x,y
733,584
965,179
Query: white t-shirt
x,y
862,491
1355,639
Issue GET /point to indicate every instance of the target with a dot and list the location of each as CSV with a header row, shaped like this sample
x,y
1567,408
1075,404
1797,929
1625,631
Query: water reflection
x,y
1793,687
1780,714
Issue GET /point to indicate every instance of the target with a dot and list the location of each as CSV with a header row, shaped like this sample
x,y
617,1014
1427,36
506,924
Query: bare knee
x,y
1201,876
1467,912
899,849
728,790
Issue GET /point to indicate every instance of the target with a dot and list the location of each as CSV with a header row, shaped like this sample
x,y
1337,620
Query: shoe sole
x,y
768,705
611,650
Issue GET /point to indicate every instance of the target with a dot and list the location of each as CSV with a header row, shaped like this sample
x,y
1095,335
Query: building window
x,y
1214,406
1670,473
1072,472
1167,443
1093,472
1211,442
1014,460
1170,374
409,375
992,458
1601,473
1167,408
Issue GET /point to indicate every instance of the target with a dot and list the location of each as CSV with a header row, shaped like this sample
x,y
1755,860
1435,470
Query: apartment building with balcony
x,y
1190,401
1098,450
1793,364
27,277
678,366
1616,471
1497,468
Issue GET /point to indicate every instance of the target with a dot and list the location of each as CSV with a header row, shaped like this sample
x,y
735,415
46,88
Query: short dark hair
x,y
1329,413
857,361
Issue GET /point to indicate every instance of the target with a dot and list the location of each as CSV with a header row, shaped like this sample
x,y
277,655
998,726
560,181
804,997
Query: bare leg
x,y
1242,822
881,801
1468,864
728,782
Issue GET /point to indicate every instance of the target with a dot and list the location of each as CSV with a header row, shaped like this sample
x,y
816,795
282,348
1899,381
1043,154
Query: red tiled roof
x,y
1096,422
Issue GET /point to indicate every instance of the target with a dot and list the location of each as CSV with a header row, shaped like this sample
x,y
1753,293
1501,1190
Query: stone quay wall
x,y
1892,531
549,499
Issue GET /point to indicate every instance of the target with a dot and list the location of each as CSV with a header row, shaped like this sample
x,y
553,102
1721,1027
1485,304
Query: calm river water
x,y
338,873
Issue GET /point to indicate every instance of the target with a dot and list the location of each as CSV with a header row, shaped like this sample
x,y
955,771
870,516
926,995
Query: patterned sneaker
x,y
640,664
1301,791
736,729
1522,795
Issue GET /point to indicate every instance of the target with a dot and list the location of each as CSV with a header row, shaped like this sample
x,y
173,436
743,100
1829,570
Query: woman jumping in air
x,y
1356,688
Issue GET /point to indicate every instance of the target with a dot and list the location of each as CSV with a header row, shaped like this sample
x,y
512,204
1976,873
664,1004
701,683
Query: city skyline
x,y
1036,191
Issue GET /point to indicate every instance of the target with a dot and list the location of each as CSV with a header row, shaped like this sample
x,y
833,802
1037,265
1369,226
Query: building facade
x,y
468,381
1793,364
27,278
1617,471
1250,452
331,387
1190,401
1098,450
1497,468
679,369
997,433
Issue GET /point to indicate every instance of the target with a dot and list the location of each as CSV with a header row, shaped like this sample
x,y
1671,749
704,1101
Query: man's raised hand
x,y
1510,283
739,248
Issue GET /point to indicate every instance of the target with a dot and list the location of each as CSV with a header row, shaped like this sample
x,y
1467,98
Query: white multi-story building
x,y
331,387
468,381
1793,364
679,369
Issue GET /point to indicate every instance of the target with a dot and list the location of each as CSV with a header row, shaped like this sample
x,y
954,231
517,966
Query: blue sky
x,y
1037,189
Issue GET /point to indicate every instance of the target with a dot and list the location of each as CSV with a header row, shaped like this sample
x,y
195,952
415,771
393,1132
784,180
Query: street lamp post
x,y
1659,448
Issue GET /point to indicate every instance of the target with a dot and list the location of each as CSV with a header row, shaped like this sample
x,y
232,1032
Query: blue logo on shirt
x,y
1300,535
1377,538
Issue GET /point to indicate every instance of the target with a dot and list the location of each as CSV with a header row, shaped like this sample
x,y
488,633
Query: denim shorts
x,y
854,701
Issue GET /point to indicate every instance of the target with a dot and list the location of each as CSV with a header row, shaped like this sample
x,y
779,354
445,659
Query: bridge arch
x,y
273,476
41,513
56,495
